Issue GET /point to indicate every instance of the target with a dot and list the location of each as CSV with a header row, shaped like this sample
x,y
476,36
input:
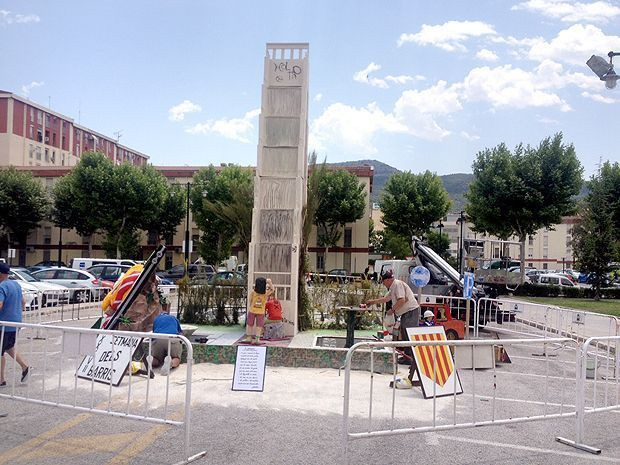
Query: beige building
x,y
43,243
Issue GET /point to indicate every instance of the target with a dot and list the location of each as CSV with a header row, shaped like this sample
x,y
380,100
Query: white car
x,y
84,287
552,279
29,293
51,294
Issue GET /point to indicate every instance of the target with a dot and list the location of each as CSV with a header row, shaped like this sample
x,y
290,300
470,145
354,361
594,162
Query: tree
x,y
396,245
81,196
521,192
596,240
170,213
439,244
133,202
341,200
211,189
411,203
23,204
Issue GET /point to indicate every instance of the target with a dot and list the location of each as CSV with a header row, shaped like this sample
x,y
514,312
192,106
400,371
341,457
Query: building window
x,y
496,252
531,265
320,261
49,183
346,261
544,266
545,241
152,238
47,155
47,121
39,117
38,153
31,132
545,253
32,115
531,240
348,234
53,158
39,135
530,252
62,159
31,150
54,138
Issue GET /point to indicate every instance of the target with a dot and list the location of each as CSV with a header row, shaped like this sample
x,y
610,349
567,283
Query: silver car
x,y
84,286
51,294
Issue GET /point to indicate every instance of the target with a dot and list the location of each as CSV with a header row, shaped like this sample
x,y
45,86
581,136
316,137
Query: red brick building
x,y
32,135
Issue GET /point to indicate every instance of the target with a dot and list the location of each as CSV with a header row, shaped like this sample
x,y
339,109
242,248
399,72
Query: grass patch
x,y
606,306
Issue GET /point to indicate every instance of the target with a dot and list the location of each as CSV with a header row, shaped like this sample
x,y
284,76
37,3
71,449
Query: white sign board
x,y
250,368
435,365
112,357
579,318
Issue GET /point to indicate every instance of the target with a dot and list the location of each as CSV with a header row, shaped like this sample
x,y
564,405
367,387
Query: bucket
x,y
590,367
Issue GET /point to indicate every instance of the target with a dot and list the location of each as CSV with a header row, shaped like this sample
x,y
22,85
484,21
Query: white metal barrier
x,y
73,368
45,307
602,394
538,320
458,307
488,398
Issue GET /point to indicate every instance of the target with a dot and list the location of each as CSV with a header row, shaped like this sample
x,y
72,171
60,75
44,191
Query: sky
x,y
418,85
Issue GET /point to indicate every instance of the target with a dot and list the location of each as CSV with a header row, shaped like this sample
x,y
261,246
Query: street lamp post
x,y
59,246
187,233
605,71
460,221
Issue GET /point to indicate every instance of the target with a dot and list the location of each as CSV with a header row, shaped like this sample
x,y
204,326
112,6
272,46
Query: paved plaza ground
x,y
298,419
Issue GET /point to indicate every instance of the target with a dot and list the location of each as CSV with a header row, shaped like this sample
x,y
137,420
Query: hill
x,y
456,184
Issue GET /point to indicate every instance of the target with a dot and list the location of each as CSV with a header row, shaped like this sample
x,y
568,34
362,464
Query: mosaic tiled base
x,y
297,357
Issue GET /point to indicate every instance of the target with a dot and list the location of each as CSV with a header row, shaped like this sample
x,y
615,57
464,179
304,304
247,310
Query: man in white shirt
x,y
405,306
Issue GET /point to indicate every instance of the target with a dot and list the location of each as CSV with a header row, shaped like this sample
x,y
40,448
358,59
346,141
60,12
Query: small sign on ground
x,y
250,368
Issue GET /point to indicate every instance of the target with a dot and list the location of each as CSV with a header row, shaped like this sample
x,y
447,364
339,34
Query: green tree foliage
x,y
210,195
341,200
118,200
395,245
596,238
80,196
521,192
411,203
440,244
23,204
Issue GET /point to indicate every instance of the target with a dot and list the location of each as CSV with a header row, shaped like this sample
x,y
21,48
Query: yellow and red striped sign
x,y
441,366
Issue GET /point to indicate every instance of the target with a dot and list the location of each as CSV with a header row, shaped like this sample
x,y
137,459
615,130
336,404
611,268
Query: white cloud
x,y
6,17
235,128
26,88
404,79
363,76
574,45
544,120
466,135
487,55
599,98
177,112
505,86
448,36
572,12
352,128
318,97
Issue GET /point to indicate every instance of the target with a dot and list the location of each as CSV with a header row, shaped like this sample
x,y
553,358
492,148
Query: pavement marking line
x,y
146,439
66,447
43,437
584,456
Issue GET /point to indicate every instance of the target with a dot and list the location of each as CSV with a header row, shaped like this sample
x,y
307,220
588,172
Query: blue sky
x,y
416,84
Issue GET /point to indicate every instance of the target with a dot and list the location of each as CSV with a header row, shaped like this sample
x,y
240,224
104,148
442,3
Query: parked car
x,y
553,279
30,294
108,274
195,269
534,274
52,294
228,278
49,263
85,263
89,286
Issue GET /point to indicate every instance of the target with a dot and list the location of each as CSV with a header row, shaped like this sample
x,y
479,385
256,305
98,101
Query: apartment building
x,y
43,243
32,135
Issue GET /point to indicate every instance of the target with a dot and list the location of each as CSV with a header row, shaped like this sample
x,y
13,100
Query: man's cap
x,y
4,268
387,274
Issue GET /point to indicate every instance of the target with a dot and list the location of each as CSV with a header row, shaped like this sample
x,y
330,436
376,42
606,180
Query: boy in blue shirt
x,y
11,305
166,324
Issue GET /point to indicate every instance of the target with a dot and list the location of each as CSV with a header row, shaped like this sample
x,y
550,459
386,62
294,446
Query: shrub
x,y
207,304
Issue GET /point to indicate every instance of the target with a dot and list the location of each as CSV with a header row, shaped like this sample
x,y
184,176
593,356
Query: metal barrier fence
x,y
538,320
171,293
45,307
489,396
602,394
73,368
458,308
